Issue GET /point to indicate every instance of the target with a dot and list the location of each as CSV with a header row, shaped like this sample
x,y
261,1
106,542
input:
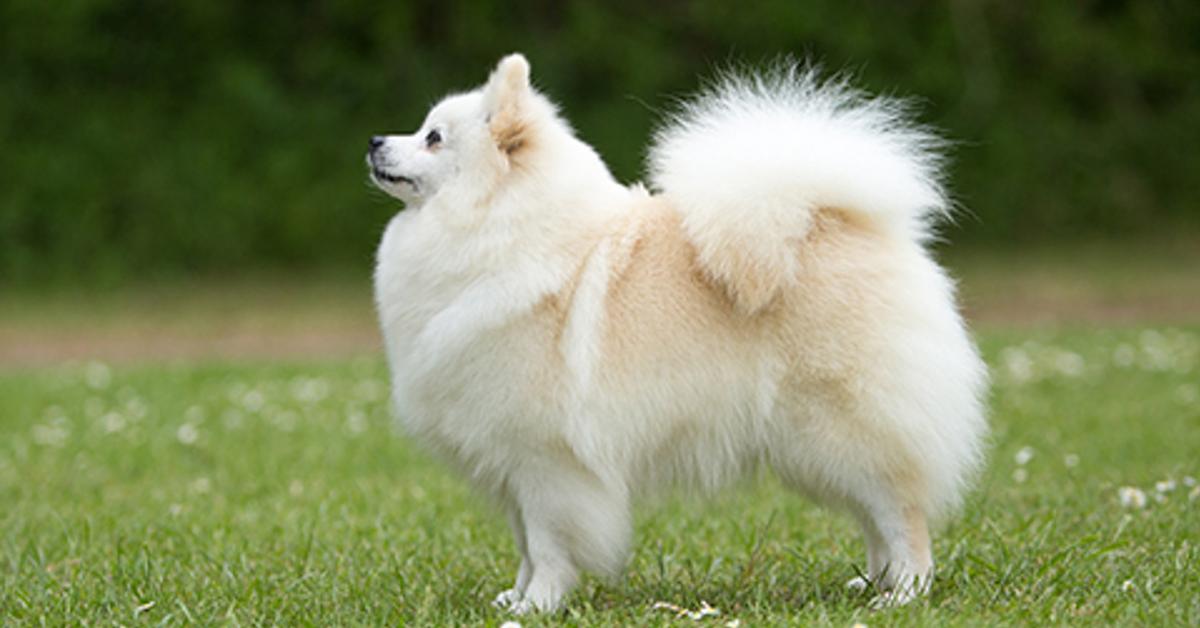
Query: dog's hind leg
x,y
876,554
899,560
885,493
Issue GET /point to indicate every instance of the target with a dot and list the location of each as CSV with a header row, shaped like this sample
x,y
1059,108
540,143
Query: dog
x,y
571,343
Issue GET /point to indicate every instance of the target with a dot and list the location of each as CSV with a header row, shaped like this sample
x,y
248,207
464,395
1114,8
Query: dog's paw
x,y
531,603
893,599
908,590
507,600
523,606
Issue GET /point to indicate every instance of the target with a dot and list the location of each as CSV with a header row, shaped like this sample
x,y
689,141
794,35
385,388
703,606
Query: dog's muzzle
x,y
378,165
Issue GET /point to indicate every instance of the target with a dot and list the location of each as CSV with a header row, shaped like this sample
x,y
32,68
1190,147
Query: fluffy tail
x,y
749,161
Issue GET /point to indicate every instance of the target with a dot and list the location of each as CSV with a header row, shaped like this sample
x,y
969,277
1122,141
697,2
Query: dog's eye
x,y
433,138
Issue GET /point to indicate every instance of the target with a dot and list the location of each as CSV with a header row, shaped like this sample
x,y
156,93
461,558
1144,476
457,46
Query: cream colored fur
x,y
572,344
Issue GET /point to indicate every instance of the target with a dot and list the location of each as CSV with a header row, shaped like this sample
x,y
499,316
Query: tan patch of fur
x,y
753,281
664,312
510,132
916,530
659,297
660,294
751,285
509,123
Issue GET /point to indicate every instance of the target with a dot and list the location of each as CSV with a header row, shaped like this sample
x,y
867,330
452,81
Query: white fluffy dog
x,y
571,343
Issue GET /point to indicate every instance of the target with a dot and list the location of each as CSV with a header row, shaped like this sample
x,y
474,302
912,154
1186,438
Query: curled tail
x,y
749,161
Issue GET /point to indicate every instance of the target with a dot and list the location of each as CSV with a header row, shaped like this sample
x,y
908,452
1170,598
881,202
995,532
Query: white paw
x,y
892,599
523,606
533,602
909,589
507,599
858,584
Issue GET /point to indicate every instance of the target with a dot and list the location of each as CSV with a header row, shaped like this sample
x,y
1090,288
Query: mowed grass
x,y
281,494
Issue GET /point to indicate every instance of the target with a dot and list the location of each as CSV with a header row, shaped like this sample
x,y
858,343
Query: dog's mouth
x,y
396,179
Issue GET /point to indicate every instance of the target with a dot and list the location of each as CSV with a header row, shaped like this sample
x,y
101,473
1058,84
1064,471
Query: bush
x,y
155,137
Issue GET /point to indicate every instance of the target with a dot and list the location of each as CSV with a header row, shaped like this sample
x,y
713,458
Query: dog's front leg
x,y
511,597
547,572
572,521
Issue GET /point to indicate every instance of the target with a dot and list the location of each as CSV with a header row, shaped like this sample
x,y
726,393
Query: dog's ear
x,y
506,96
509,81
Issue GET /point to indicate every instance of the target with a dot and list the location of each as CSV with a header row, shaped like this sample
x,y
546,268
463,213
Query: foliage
x,y
164,137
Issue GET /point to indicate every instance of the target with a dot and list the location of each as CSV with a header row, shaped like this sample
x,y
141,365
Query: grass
x,y
277,493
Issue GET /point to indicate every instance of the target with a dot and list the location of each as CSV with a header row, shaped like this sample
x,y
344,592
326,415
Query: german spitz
x,y
766,300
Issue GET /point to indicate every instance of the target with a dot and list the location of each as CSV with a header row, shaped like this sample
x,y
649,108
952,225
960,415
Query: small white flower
x,y
253,400
113,422
97,375
1164,486
187,434
1020,475
356,422
1023,455
135,407
1156,351
1071,461
705,610
1189,480
50,435
510,624
1132,497
1123,356
1128,586
309,390
1018,363
1069,364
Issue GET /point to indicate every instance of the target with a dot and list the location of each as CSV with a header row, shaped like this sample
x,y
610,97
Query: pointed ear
x,y
508,82
505,97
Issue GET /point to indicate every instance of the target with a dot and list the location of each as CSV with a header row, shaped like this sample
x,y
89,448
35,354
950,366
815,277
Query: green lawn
x,y
279,493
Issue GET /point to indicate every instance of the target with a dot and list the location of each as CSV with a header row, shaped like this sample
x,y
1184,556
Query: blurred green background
x,y
153,138
193,416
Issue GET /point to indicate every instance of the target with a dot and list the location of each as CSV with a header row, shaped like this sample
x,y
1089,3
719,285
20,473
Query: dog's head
x,y
467,142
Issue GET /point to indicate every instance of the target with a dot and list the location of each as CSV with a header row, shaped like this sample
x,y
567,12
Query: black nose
x,y
376,141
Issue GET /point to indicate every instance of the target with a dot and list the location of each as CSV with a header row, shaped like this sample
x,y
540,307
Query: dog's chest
x,y
463,343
